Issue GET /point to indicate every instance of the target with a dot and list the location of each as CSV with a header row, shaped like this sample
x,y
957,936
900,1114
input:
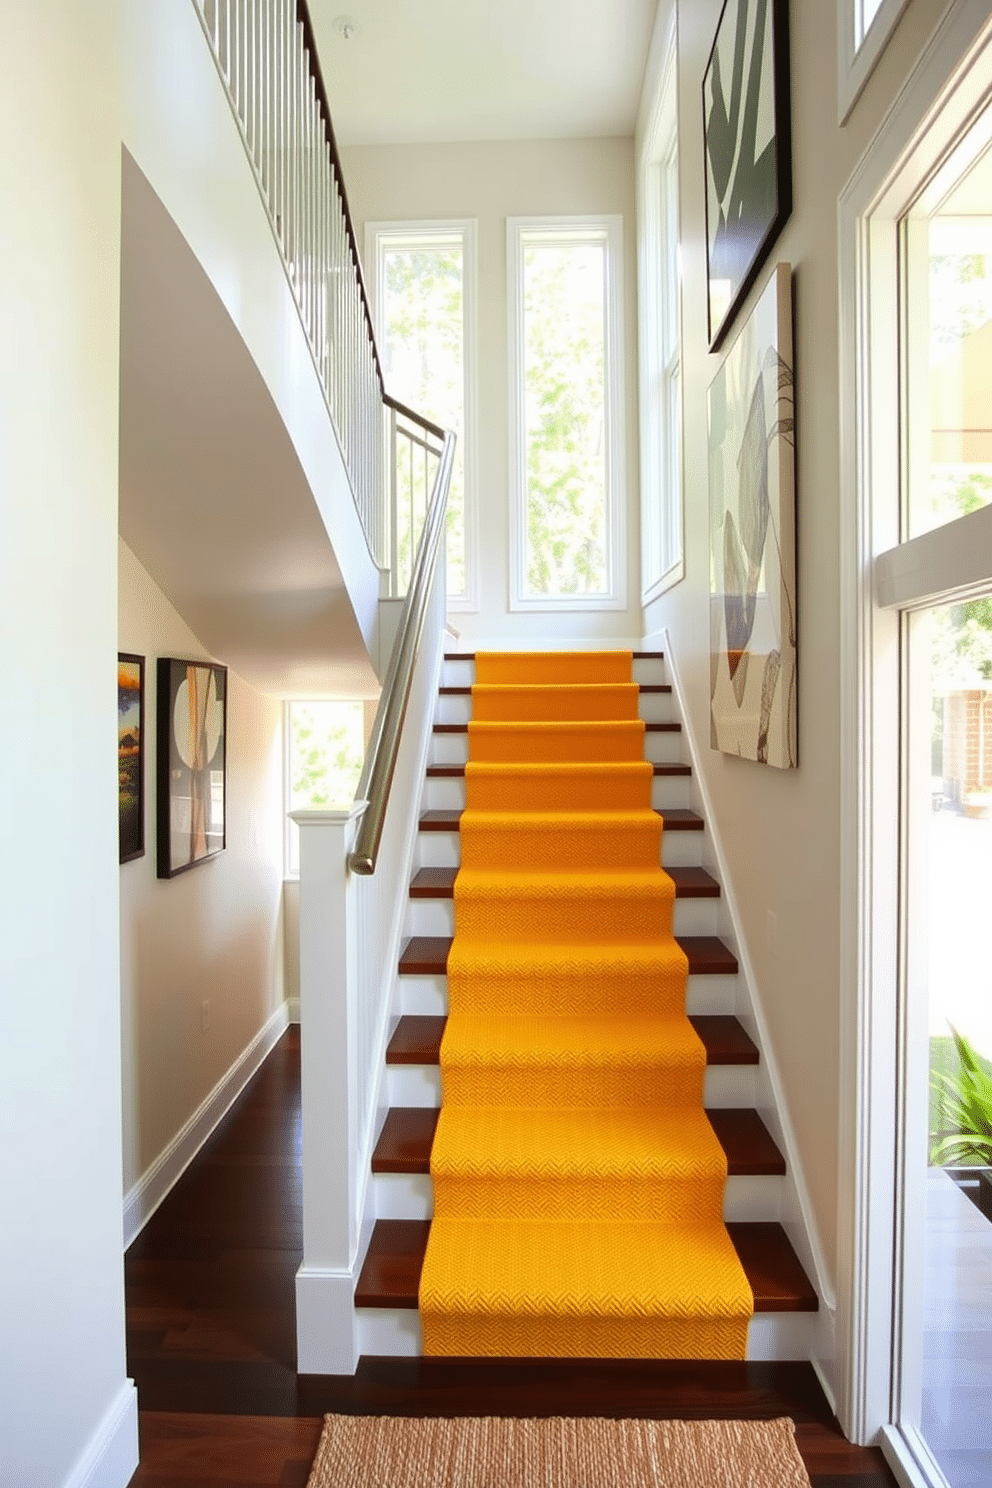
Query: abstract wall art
x,y
747,149
191,735
752,484
130,755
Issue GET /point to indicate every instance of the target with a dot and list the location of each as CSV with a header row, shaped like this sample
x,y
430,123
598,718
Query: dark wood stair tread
x,y
390,1276
417,1039
407,1136
467,691
456,772
690,883
679,820
650,728
470,655
427,955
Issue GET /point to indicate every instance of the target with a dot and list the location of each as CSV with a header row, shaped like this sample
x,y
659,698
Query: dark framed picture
x,y
131,755
191,735
747,140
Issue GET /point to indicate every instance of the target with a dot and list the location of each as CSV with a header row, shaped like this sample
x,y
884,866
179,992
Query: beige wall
x,y
490,182
62,1314
212,934
780,830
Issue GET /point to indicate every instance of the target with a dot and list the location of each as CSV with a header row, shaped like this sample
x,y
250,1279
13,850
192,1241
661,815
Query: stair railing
x,y
267,59
399,465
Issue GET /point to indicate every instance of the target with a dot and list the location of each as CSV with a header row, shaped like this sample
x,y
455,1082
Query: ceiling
x,y
418,71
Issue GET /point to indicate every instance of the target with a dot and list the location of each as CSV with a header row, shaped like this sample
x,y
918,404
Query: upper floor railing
x,y
267,58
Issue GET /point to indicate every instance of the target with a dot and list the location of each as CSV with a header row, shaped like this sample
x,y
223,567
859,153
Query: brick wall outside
x,y
967,741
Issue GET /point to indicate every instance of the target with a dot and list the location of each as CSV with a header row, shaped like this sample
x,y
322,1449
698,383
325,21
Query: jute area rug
x,y
490,1452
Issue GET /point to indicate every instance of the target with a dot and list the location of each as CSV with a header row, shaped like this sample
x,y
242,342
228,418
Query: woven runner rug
x,y
400,1452
578,1186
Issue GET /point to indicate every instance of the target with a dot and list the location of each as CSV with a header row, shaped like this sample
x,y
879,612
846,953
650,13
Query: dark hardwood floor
x,y
211,1336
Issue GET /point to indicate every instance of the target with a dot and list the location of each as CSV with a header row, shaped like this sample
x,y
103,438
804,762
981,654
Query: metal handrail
x,y
380,759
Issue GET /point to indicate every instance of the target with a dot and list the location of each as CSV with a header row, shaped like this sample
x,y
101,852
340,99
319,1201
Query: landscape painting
x,y
130,755
191,735
753,656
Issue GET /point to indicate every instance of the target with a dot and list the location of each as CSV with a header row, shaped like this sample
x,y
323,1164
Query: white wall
x,y
67,1412
780,830
490,182
213,934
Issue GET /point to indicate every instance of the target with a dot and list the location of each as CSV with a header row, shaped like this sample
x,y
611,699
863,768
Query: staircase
x,y
386,1294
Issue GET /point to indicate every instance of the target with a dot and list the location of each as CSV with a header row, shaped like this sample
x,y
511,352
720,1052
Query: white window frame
x,y
881,579
859,47
382,235
607,229
660,339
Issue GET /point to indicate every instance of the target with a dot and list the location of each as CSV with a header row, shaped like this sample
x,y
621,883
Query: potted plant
x,y
963,1099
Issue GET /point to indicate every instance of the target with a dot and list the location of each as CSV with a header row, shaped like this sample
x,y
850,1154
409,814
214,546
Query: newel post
x,y
326,1341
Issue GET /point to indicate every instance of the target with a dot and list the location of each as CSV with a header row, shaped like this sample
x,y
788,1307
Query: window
x,y
916,663
424,296
864,28
661,343
323,755
566,423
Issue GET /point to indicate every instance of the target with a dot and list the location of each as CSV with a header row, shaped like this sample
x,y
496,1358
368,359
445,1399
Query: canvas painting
x,y
753,657
130,756
192,786
747,150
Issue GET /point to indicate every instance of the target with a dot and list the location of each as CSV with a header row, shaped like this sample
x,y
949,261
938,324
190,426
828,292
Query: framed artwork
x,y
747,149
752,481
191,735
130,755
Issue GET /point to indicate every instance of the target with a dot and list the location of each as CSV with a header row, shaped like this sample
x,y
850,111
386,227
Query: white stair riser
x,y
447,793
746,1199
427,996
389,1332
437,917
660,749
420,1085
442,849
653,707
395,1332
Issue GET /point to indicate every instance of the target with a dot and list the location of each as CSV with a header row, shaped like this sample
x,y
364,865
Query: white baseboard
x,y
111,1454
326,1329
293,1009
141,1201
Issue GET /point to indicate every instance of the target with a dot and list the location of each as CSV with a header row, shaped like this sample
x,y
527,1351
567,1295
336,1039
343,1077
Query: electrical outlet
x,y
204,1015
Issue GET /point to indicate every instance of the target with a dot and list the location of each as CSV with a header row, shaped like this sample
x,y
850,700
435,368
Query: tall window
x,y
660,344
566,413
323,755
916,298
424,293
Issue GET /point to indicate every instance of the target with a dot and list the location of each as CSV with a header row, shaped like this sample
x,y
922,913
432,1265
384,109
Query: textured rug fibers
x,y
488,1452
578,1186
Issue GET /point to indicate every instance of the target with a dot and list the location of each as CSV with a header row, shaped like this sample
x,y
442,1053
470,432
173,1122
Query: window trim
x,y
662,489
607,228
467,230
936,104
859,50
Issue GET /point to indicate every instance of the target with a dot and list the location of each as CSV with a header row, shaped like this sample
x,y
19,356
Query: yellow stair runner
x,y
578,1186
